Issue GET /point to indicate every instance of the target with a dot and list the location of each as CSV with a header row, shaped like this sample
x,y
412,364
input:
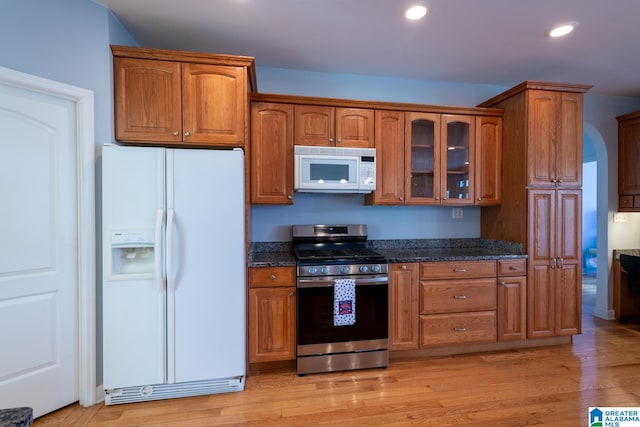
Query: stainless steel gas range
x,y
342,299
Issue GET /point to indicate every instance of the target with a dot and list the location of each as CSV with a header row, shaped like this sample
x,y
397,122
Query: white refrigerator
x,y
173,272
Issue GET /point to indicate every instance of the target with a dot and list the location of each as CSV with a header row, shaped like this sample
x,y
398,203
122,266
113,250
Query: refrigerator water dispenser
x,y
132,254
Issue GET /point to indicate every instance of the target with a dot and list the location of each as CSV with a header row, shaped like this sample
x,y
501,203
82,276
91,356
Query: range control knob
x,y
344,270
364,269
312,270
375,268
324,270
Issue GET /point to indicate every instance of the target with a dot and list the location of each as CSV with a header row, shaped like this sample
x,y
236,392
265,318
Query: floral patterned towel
x,y
344,302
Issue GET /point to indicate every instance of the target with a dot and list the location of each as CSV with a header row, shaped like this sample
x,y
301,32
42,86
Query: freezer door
x,y
133,294
205,264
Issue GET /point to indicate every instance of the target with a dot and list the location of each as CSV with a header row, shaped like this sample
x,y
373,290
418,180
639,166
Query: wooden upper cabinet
x,y
488,161
628,161
214,100
440,162
175,98
555,138
457,159
334,126
314,125
422,158
354,127
271,153
147,100
390,155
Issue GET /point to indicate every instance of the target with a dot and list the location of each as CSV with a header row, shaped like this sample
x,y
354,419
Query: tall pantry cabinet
x,y
542,199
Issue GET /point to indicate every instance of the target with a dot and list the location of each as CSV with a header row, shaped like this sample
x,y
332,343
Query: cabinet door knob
x,y
176,133
479,199
272,277
339,140
401,199
330,139
187,133
503,283
289,197
291,294
404,267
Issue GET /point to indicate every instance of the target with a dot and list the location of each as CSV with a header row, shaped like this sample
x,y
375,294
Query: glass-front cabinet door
x,y
422,142
457,159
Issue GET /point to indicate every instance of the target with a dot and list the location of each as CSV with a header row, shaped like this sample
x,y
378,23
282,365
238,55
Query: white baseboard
x,y
604,314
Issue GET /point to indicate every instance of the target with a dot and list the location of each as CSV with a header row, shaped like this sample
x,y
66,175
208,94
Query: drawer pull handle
x,y
460,329
460,270
460,296
512,268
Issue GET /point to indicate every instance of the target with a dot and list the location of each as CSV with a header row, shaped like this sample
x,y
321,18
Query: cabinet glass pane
x,y
457,161
422,158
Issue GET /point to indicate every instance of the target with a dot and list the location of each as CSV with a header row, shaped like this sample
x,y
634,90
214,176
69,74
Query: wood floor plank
x,y
549,386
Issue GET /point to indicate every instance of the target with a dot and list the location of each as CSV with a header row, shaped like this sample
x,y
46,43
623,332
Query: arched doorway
x,y
595,141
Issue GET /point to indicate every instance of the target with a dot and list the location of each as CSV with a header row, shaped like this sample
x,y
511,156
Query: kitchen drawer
x,y
457,328
512,267
272,276
448,296
457,269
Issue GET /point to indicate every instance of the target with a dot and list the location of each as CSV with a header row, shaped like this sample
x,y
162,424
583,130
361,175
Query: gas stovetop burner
x,y
333,243
343,254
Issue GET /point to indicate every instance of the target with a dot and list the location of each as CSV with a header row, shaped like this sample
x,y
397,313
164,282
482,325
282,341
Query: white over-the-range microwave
x,y
334,169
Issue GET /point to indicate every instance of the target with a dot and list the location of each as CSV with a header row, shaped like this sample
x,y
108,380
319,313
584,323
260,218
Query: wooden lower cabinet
x,y
458,302
512,308
554,288
272,314
403,306
458,328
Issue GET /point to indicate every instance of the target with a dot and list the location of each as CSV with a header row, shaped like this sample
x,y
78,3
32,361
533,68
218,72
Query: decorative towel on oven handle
x,y
344,302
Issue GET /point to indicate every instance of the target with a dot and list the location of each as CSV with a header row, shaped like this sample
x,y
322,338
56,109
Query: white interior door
x,y
38,251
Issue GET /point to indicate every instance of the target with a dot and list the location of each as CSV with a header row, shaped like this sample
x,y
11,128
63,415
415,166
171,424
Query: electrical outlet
x,y
456,213
620,217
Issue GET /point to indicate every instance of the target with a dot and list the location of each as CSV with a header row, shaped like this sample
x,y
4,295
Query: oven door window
x,y
315,315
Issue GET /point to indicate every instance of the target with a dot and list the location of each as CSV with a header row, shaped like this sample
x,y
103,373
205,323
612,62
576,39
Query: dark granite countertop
x,y
280,254
447,254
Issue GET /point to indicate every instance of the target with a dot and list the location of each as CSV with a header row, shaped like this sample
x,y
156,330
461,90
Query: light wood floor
x,y
551,386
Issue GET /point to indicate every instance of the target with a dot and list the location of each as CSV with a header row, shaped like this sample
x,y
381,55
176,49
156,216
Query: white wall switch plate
x,y
457,213
620,217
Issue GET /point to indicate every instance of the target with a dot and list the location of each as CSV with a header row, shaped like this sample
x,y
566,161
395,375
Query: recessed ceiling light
x,y
562,29
415,12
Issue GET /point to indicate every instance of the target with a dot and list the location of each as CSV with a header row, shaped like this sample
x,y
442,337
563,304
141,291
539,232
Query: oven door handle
x,y
322,282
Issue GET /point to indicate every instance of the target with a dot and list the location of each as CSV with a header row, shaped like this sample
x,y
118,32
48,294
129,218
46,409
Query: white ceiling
x,y
498,42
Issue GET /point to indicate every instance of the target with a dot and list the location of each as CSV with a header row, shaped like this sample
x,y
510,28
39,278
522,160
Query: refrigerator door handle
x,y
171,328
159,271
